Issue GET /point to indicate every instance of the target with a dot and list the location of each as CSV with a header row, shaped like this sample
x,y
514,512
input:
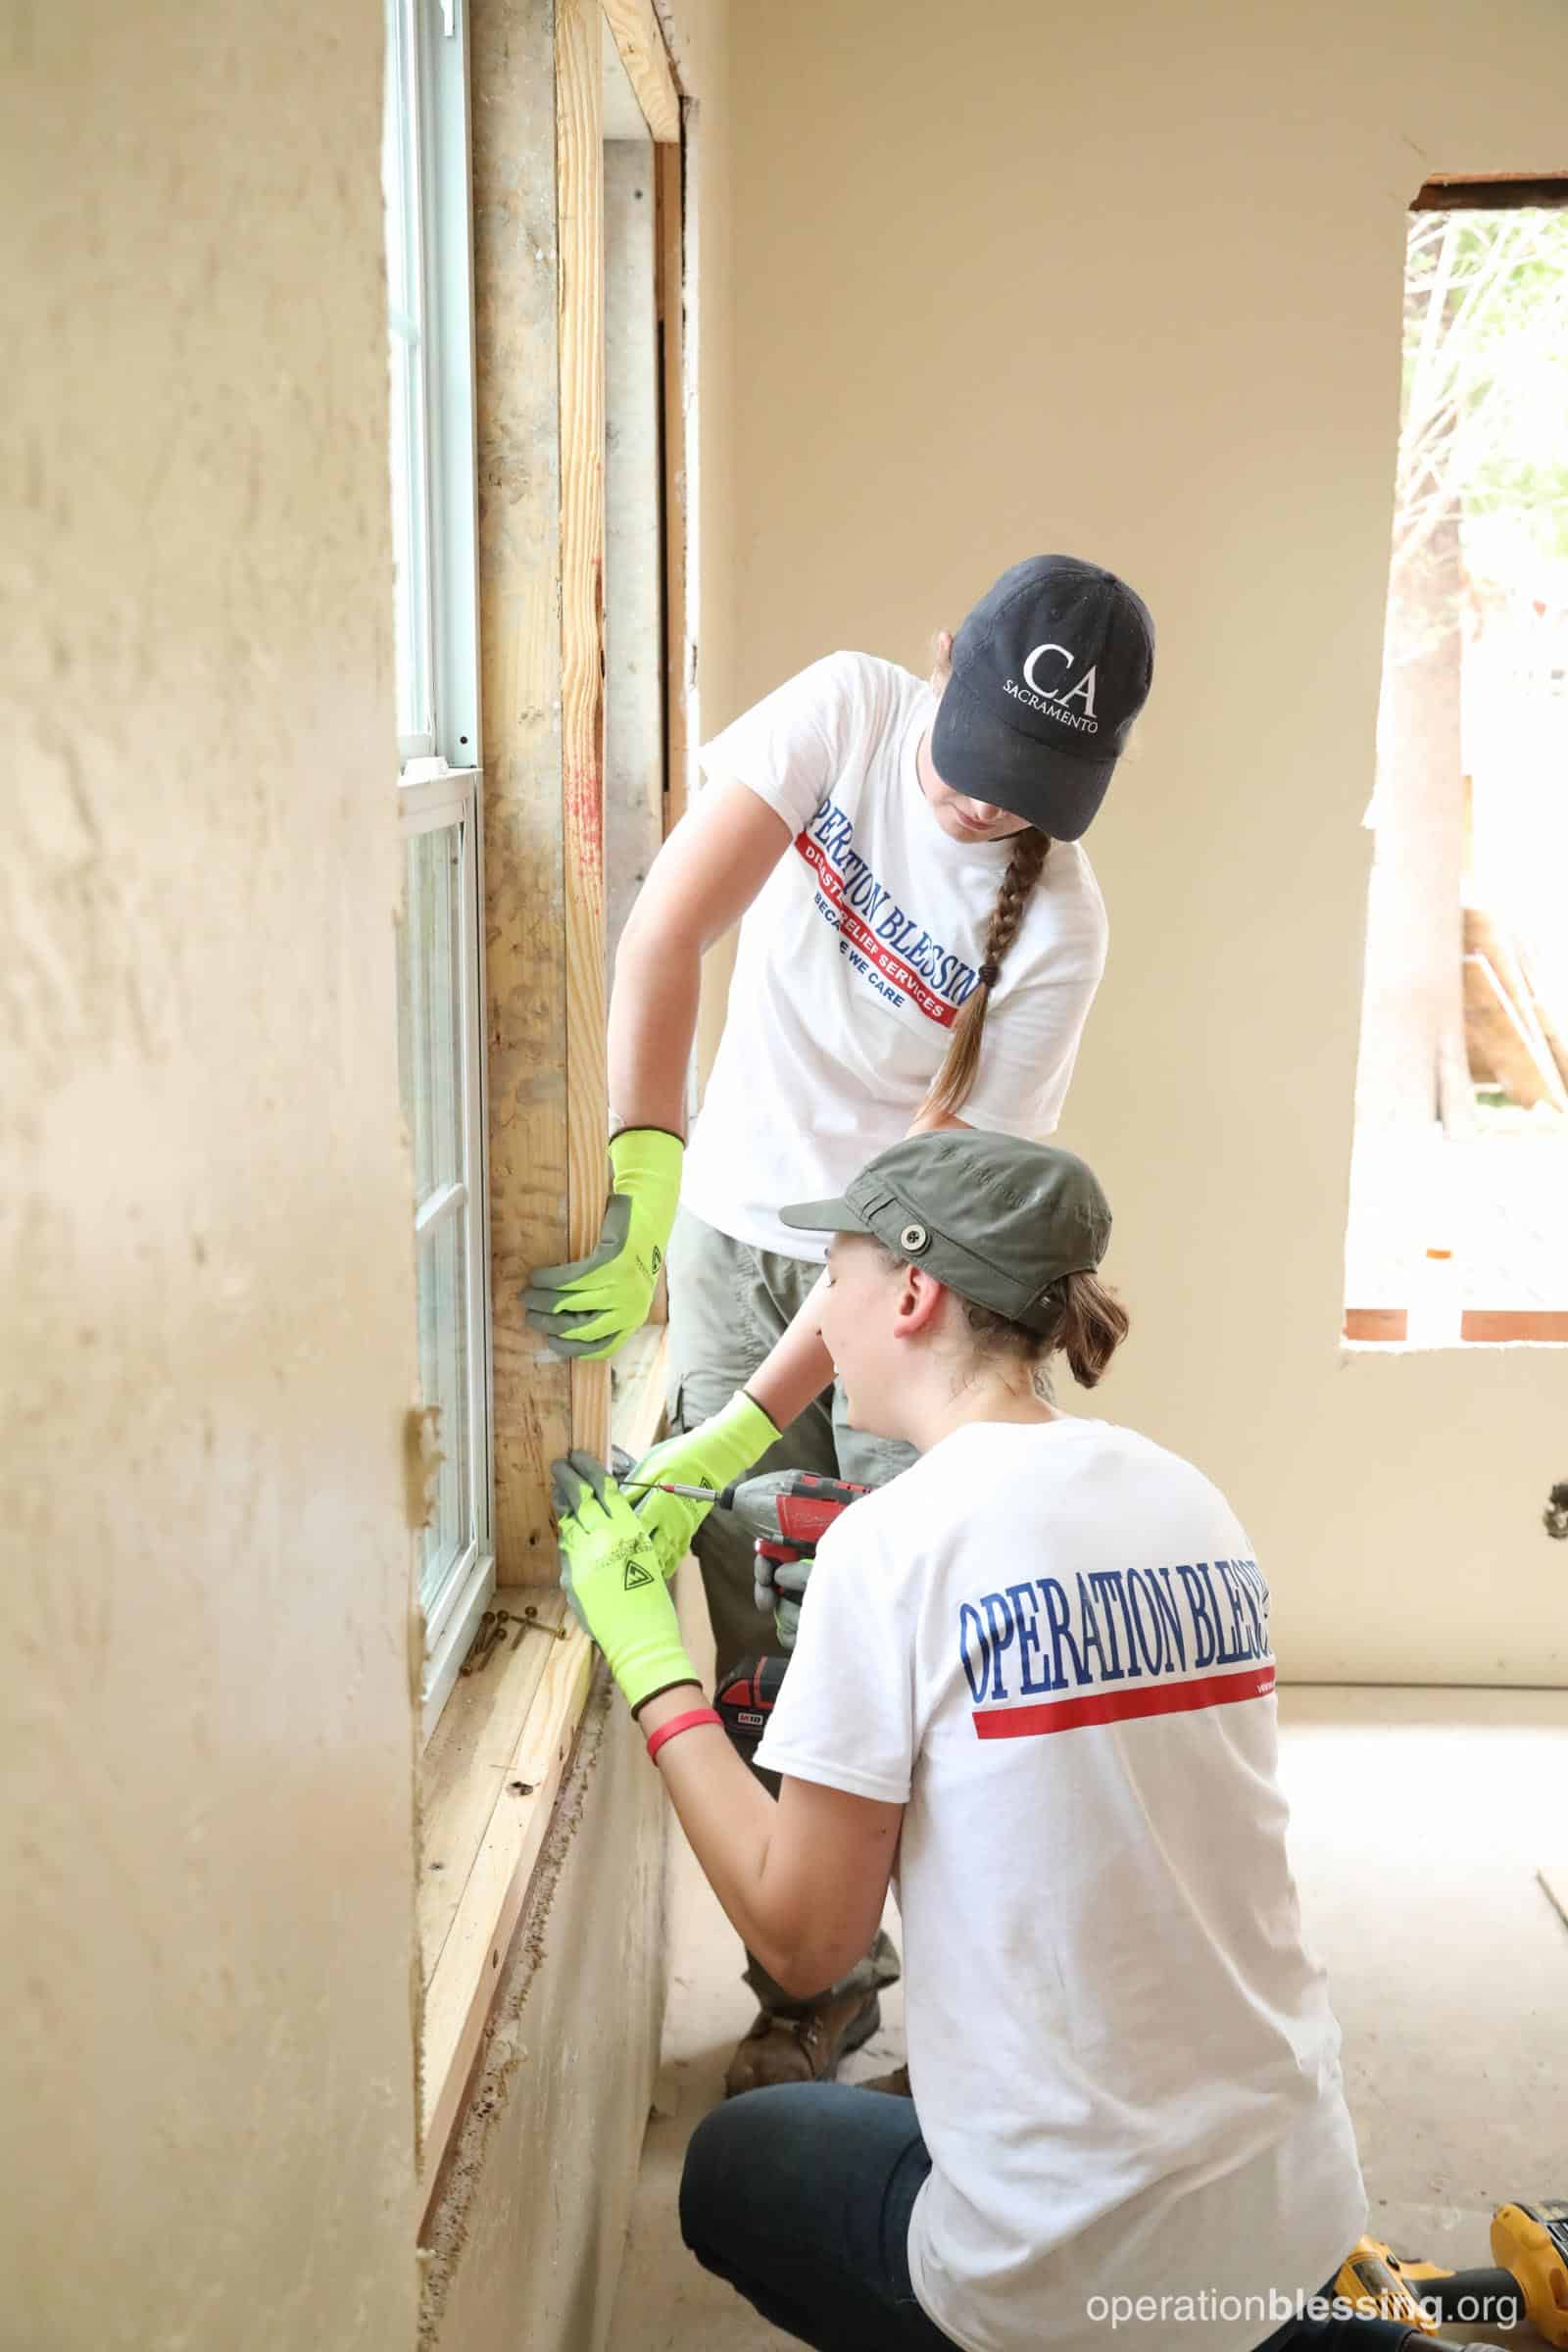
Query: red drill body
x,y
793,1508
790,1508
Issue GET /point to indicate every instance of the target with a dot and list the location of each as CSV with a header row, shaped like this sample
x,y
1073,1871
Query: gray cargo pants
x,y
728,1304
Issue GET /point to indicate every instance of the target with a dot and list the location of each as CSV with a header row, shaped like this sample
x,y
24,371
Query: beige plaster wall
x,y
207,2079
1127,282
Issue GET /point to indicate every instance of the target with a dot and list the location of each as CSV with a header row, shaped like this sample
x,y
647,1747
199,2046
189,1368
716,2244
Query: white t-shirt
x,y
1050,1643
858,950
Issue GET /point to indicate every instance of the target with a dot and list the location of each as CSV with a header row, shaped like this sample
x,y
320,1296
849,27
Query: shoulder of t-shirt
x,y
844,694
1145,1456
1070,908
962,1460
880,1523
881,690
893,1522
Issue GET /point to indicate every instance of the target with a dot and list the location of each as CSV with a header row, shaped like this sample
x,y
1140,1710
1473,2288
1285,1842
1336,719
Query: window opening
x,y
1460,1161
440,941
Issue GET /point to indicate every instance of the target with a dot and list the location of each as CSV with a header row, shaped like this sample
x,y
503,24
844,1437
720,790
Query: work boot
x,y
803,2045
896,2084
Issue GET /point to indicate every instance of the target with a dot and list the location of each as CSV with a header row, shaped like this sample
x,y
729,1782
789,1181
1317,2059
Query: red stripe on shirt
x,y
901,974
1123,1707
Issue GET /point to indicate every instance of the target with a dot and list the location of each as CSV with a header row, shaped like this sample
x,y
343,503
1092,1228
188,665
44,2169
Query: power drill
x,y
787,1512
790,1508
1530,2248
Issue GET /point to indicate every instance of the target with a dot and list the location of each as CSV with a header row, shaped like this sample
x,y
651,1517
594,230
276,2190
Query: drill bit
x,y
666,1486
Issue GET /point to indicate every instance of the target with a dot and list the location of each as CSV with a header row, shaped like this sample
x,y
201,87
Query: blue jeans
x,y
801,2197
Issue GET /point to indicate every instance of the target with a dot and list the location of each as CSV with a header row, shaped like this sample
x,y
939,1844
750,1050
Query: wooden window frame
x,y
493,1769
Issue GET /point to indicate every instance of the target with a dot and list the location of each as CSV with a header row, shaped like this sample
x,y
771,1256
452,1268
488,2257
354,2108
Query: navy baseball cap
x,y
1048,673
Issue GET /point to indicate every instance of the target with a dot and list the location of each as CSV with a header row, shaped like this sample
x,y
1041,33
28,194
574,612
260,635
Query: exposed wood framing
x,y
1509,1030
1501,191
493,1772
1503,1046
634,589
668,165
469,1760
579,181
457,1999
515,271
647,61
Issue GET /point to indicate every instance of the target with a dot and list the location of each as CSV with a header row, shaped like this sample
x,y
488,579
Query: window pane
x,y
430,1013
401,190
444,1380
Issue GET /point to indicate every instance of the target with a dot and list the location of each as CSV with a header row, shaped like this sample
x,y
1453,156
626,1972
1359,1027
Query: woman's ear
x,y
919,1302
942,667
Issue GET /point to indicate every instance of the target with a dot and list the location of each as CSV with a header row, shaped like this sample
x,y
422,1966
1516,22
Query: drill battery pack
x,y
744,1701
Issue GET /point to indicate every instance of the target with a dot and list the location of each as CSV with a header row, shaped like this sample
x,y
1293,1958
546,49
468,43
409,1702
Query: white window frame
x,y
434,803
440,777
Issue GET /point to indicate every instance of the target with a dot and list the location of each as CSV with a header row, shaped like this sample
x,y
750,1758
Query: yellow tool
x,y
1372,2280
1530,2247
1532,2242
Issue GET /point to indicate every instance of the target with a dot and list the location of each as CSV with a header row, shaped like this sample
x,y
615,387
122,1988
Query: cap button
x,y
913,1239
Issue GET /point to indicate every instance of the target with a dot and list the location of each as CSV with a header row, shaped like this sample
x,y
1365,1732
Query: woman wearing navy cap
x,y
921,938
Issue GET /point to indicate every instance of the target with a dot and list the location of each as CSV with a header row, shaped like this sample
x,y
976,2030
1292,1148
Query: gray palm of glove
x,y
778,1588
542,1299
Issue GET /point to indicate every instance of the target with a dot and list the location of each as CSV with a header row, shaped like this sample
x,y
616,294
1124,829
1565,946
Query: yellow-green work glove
x,y
593,1306
610,1577
712,1455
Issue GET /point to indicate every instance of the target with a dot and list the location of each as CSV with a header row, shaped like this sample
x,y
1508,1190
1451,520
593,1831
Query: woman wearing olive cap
x,y
1034,1681
923,937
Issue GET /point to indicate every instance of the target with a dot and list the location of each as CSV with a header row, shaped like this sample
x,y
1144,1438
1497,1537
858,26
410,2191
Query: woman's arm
x,y
702,881
804,1880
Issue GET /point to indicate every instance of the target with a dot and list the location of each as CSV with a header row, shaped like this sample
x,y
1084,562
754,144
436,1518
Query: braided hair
x,y
953,1083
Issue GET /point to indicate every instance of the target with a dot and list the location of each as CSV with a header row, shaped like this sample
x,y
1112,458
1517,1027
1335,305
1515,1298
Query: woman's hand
x,y
778,1588
592,1307
714,1453
611,1580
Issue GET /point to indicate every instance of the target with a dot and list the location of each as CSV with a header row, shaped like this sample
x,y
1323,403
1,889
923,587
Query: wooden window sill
x,y
488,1785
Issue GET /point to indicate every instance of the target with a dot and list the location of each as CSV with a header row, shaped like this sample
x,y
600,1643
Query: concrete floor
x,y
1419,1818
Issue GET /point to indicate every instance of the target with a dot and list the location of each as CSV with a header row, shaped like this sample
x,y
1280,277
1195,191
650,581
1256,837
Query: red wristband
x,y
680,1723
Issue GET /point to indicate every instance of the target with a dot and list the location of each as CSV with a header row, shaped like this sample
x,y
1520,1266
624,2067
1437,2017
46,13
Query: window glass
x,y
432,1009
444,1380
402,187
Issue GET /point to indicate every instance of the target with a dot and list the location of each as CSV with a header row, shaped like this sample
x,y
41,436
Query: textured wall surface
x,y
208,1302
1128,282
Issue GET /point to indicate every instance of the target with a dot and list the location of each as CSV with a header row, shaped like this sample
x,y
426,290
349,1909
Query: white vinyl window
x,y
441,1028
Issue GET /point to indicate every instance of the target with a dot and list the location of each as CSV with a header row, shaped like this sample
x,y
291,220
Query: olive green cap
x,y
996,1218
